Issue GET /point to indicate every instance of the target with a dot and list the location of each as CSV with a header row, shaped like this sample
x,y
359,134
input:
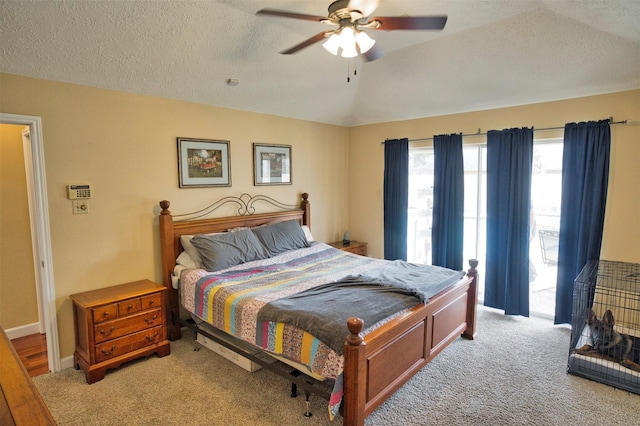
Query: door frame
x,y
40,230
28,167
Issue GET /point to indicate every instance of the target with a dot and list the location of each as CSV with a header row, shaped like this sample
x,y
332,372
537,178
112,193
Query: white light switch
x,y
80,206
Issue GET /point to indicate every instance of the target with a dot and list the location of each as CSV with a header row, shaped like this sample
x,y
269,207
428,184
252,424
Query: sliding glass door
x,y
421,169
545,214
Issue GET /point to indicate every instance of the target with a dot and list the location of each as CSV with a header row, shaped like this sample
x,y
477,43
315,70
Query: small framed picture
x,y
203,162
272,164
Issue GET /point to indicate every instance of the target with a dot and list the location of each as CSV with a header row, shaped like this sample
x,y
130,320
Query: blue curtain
x,y
448,202
396,198
509,158
585,177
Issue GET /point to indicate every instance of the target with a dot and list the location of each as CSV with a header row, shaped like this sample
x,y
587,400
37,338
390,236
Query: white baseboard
x,y
23,330
66,362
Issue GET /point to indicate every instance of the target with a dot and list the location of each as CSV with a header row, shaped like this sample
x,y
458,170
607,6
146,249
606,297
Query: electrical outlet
x,y
80,206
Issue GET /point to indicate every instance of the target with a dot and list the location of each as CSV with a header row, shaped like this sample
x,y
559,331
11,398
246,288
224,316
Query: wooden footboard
x,y
377,364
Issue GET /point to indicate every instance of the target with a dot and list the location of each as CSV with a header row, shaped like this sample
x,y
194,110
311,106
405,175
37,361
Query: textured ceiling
x,y
492,53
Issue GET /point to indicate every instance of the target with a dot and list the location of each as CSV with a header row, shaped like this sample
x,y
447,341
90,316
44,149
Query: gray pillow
x,y
282,236
223,251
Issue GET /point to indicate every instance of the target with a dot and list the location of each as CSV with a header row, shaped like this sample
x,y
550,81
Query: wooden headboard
x,y
172,227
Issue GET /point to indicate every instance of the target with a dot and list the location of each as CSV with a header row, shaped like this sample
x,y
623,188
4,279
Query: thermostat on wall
x,y
75,192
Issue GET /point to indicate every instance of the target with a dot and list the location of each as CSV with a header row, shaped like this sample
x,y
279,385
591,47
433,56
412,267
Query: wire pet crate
x,y
605,286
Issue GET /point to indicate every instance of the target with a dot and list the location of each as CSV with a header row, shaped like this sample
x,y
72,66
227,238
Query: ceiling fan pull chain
x,y
355,69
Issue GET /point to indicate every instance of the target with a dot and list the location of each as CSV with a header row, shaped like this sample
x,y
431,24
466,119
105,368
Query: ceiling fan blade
x,y
287,14
372,54
308,42
365,6
389,23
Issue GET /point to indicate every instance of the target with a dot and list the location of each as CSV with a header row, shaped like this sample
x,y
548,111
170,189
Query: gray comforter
x,y
323,311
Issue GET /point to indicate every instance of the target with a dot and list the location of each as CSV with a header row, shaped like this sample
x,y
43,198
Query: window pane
x,y
475,208
420,205
546,188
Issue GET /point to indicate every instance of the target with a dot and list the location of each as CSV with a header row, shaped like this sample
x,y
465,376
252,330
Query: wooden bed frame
x,y
375,364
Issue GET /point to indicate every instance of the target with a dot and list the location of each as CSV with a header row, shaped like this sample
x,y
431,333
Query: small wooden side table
x,y
117,324
356,247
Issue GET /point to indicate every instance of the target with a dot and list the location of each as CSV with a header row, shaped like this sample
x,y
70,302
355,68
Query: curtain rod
x,y
542,129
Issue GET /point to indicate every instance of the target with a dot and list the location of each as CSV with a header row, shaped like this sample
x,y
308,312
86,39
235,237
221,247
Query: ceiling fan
x,y
352,17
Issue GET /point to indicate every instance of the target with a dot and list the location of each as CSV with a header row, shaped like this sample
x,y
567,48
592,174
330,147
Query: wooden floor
x,y
32,351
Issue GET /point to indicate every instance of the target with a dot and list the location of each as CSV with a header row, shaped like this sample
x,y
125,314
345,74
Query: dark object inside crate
x,y
605,286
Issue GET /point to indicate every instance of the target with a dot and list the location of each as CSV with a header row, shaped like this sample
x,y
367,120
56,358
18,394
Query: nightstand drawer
x,y
120,327
151,301
129,306
126,344
106,312
361,250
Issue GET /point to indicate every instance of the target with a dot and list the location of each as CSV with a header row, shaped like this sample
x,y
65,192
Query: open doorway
x,y
41,236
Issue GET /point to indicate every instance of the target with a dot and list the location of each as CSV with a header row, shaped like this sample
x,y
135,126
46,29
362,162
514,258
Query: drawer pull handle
x,y
152,320
152,337
129,307
107,333
105,314
113,348
151,302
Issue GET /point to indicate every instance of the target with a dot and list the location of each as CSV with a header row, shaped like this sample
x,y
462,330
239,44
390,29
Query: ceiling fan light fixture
x,y
352,17
348,43
332,44
349,52
364,41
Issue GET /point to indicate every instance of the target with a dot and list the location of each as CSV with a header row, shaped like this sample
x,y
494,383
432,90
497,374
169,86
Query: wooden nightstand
x,y
356,247
117,324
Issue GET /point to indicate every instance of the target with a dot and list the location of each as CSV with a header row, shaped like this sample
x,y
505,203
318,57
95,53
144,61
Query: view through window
x,y
545,215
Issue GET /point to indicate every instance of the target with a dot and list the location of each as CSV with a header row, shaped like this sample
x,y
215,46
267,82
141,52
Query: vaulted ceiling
x,y
491,53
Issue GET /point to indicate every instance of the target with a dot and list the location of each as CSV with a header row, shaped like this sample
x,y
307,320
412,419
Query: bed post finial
x,y
474,264
304,205
355,326
164,205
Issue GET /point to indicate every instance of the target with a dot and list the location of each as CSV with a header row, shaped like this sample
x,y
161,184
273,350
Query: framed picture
x,y
271,164
203,162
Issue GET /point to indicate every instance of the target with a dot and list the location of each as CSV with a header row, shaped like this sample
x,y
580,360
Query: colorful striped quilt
x,y
230,299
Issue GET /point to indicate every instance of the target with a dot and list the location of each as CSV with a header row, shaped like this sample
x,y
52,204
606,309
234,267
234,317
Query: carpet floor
x,y
514,373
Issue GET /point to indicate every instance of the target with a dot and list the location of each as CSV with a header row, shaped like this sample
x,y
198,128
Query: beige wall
x,y
18,297
622,226
124,145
